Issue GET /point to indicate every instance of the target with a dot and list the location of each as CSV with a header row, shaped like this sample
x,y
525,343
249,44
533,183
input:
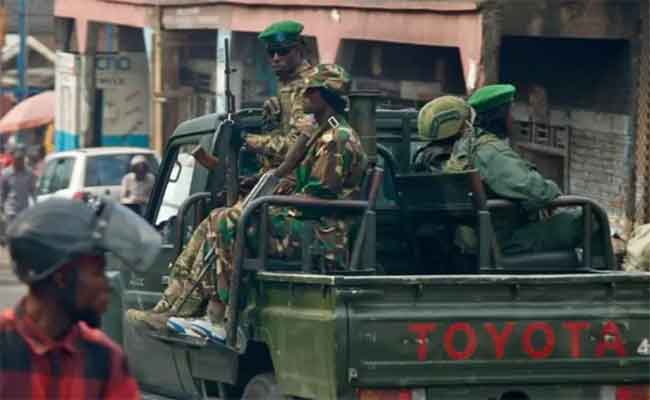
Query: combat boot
x,y
153,320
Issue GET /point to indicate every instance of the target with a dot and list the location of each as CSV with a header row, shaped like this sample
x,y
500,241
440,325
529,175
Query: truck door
x,y
154,362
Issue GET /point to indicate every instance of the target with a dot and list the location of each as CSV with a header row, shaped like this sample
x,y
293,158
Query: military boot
x,y
153,320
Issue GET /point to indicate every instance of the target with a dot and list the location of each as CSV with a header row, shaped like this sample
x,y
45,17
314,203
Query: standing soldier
x,y
331,167
284,114
50,347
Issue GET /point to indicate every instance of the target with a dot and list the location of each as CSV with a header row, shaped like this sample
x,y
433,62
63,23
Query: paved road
x,y
10,289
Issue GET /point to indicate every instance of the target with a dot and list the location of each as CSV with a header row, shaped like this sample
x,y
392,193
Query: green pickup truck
x,y
409,318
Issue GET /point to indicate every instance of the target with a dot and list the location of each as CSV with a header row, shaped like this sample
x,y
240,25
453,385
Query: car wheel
x,y
263,387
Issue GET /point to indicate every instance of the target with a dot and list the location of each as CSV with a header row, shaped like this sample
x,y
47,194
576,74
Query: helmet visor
x,y
127,236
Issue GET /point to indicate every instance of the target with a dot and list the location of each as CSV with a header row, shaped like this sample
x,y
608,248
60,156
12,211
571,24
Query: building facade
x,y
575,63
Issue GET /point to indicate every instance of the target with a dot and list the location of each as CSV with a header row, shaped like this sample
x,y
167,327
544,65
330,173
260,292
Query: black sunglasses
x,y
282,51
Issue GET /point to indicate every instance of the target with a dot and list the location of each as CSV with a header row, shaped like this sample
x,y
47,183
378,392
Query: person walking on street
x,y
17,185
50,347
137,185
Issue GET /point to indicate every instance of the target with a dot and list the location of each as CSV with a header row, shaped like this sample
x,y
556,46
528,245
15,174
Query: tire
x,y
263,387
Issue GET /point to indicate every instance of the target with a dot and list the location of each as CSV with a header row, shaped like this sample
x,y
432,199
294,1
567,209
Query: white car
x,y
89,171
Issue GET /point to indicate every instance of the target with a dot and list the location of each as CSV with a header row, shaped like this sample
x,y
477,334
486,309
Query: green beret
x,y
282,34
491,96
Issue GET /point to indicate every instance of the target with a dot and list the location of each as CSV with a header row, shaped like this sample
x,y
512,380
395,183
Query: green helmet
x,y
443,118
329,76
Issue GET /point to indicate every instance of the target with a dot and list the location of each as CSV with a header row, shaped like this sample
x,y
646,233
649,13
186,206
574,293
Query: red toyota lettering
x,y
574,328
422,331
470,344
499,338
610,339
549,336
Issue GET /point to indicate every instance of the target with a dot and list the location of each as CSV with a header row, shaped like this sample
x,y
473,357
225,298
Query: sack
x,y
638,250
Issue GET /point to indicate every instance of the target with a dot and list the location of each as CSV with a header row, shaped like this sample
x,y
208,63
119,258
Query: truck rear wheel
x,y
263,387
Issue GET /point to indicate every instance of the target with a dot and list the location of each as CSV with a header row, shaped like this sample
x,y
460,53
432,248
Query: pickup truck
x,y
409,318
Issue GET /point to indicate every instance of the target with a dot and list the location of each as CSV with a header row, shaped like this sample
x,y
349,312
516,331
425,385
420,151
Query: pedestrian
x,y
17,185
50,347
137,185
36,160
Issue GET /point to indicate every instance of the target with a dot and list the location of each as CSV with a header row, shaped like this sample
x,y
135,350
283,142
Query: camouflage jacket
x,y
333,166
274,145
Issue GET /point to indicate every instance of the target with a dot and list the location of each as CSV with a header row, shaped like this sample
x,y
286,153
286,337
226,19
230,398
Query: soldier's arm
x,y
335,158
510,176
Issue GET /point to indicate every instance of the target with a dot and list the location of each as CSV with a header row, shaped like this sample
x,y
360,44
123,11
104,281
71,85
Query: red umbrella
x,y
32,112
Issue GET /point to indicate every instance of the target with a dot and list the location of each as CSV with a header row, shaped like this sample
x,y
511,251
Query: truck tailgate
x,y
496,329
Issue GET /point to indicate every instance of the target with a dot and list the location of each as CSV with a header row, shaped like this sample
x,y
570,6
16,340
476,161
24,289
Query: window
x,y
179,183
109,169
56,175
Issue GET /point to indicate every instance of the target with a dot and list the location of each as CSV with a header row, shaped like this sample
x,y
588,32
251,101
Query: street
x,y
10,288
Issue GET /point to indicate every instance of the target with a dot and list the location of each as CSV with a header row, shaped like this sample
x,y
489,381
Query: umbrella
x,y
32,112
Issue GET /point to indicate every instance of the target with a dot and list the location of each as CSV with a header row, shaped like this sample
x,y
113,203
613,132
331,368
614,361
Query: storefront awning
x,y
30,113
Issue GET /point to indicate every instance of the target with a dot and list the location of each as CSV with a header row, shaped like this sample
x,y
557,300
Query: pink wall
x,y
431,23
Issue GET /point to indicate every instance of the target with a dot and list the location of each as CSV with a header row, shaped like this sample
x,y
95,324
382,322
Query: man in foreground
x,y
50,347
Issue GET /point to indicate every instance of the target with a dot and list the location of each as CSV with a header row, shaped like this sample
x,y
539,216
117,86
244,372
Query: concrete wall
x,y
599,144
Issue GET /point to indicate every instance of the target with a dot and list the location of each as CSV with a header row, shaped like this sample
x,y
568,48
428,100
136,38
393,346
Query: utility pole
x,y
22,54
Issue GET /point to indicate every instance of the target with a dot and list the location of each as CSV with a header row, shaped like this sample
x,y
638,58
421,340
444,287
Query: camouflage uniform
x,y
273,146
332,169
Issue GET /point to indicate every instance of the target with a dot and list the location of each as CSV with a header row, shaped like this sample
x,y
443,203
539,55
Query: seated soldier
x,y
284,116
505,175
440,122
331,167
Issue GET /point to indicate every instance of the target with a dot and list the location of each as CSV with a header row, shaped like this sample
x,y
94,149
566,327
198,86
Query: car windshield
x,y
109,169
56,175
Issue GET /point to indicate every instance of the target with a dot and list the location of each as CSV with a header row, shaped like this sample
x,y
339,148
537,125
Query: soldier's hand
x,y
306,125
272,108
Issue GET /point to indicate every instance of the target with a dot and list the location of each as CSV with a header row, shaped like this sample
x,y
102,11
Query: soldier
x,y
282,115
331,167
286,51
441,122
507,175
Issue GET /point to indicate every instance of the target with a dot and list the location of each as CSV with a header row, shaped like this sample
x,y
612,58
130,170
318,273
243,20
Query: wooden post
x,y
157,98
88,87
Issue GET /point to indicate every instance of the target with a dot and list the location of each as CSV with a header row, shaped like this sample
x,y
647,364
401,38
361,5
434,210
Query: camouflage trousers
x,y
219,230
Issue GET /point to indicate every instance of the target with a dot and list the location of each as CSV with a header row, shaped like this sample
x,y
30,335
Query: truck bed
x,y
467,330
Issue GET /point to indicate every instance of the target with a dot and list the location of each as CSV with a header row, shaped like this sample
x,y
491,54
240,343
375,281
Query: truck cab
x,y
409,318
